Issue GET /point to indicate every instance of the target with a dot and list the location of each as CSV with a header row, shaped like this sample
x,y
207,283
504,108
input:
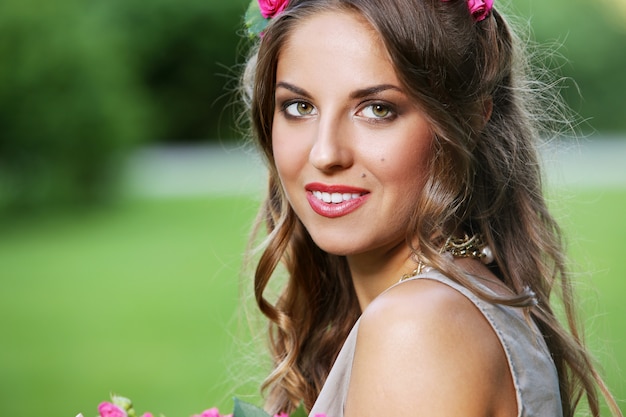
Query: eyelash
x,y
391,112
285,108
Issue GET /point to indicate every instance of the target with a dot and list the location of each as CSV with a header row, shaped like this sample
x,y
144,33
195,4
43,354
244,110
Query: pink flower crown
x,y
260,12
479,9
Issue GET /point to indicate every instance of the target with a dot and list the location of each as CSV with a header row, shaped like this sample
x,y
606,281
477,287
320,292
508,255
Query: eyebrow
x,y
293,89
364,92
370,91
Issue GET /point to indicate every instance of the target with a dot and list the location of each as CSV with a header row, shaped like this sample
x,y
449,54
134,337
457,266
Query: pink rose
x,y
147,415
480,8
212,412
107,409
281,415
271,8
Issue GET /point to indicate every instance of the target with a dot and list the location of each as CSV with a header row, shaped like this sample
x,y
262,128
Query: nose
x,y
331,150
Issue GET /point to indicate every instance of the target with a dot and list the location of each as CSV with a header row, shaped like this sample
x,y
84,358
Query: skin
x,y
342,117
423,349
339,140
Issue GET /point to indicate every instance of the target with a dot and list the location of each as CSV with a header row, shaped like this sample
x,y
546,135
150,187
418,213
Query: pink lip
x,y
334,188
333,210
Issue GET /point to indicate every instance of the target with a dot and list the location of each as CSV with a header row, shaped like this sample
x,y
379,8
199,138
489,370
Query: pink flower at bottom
x,y
147,415
212,412
281,415
107,409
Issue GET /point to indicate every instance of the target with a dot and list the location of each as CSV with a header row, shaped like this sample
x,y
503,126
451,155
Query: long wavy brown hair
x,y
483,178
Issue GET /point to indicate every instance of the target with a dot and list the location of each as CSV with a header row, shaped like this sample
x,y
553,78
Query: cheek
x,y
408,173
407,164
290,152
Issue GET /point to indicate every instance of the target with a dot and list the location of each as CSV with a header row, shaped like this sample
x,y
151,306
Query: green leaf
x,y
121,402
244,409
299,412
254,20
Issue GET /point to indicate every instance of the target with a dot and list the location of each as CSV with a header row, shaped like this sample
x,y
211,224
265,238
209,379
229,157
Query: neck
x,y
373,273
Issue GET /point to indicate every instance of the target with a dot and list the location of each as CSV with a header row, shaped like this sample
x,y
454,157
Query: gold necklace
x,y
465,247
469,247
420,268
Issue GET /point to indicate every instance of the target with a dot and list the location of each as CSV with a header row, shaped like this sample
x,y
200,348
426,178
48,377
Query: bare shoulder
x,y
423,348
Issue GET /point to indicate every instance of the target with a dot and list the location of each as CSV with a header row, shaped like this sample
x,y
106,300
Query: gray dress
x,y
534,374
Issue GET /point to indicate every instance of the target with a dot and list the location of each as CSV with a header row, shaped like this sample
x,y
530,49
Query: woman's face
x,y
350,147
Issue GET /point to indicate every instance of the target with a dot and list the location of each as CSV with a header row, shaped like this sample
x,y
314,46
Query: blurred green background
x,y
126,198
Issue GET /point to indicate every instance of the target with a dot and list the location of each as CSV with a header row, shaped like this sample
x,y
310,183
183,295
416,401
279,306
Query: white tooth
x,y
317,194
356,195
347,196
336,197
326,198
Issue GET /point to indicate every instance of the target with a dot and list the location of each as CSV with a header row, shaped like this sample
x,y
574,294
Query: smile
x,y
335,198
333,201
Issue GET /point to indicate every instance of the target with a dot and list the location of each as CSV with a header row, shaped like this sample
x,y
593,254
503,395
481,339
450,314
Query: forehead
x,y
336,43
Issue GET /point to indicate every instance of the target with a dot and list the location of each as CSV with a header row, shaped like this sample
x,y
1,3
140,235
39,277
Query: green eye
x,y
377,111
380,111
299,108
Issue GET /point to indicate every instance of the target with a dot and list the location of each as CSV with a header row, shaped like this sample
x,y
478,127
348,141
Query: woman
x,y
399,140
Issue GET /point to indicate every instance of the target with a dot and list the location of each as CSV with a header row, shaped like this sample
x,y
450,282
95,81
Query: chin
x,y
342,247
336,248
343,241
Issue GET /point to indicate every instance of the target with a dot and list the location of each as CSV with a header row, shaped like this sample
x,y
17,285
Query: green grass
x,y
595,226
141,299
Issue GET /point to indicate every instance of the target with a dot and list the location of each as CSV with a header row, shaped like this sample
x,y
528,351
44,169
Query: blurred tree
x,y
591,36
68,105
84,80
184,54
